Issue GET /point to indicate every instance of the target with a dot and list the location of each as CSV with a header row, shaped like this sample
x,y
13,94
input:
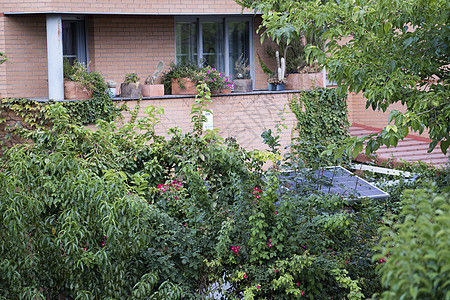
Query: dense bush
x,y
123,213
414,252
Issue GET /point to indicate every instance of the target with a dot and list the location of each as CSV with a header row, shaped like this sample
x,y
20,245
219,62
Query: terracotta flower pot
x,y
74,90
225,91
304,81
183,86
153,90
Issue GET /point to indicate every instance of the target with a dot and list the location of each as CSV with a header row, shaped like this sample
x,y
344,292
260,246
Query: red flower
x,y
235,249
245,276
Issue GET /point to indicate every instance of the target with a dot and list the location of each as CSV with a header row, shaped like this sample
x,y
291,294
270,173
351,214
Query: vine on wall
x,y
322,120
19,113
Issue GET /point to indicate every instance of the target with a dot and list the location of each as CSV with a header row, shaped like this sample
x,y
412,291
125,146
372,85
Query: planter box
x,y
152,90
183,86
130,90
74,90
306,81
243,85
225,91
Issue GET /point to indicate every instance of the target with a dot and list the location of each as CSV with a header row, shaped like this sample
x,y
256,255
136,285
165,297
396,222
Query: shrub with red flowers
x,y
88,214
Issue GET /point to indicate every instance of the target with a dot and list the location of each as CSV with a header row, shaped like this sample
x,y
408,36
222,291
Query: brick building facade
x,y
115,37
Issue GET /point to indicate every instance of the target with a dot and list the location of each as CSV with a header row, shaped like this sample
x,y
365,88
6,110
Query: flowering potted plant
x,y
216,81
242,83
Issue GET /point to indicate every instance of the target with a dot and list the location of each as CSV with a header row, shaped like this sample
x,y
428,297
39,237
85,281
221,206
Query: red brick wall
x,y
120,45
117,45
242,117
24,41
2,49
378,119
124,6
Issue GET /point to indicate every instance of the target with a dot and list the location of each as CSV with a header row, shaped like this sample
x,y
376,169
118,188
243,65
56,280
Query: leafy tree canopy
x,y
394,51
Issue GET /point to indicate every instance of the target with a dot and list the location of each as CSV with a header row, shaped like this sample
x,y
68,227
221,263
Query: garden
x,y
121,213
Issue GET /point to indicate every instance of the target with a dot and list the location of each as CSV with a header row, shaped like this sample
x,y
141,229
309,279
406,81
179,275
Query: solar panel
x,y
339,180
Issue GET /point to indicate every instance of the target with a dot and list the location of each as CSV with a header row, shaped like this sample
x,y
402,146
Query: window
x,y
74,39
217,42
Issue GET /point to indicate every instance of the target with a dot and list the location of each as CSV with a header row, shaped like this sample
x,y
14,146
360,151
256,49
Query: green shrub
x,y
414,252
176,213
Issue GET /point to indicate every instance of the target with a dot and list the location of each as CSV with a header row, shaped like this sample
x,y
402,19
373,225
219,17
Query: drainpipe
x,y
55,57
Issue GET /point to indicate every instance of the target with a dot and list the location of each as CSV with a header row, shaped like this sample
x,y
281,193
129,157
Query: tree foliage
x,y
415,251
394,51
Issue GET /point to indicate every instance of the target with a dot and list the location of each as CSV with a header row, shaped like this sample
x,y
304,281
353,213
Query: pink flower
x,y
302,292
276,213
270,245
257,196
245,276
298,283
257,287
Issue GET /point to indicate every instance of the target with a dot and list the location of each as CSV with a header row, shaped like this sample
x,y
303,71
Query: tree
x,y
394,51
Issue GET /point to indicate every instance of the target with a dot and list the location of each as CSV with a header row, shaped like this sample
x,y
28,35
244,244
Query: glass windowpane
x,y
213,45
238,43
186,42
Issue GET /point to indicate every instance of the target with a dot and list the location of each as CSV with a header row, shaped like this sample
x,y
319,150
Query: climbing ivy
x,y
31,114
322,120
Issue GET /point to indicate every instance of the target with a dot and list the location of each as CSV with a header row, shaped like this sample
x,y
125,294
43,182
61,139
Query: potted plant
x,y
78,82
130,88
150,89
308,77
112,88
216,81
242,83
301,74
275,80
182,79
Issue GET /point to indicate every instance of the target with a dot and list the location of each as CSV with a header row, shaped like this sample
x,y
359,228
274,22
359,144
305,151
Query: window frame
x,y
224,20
82,52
